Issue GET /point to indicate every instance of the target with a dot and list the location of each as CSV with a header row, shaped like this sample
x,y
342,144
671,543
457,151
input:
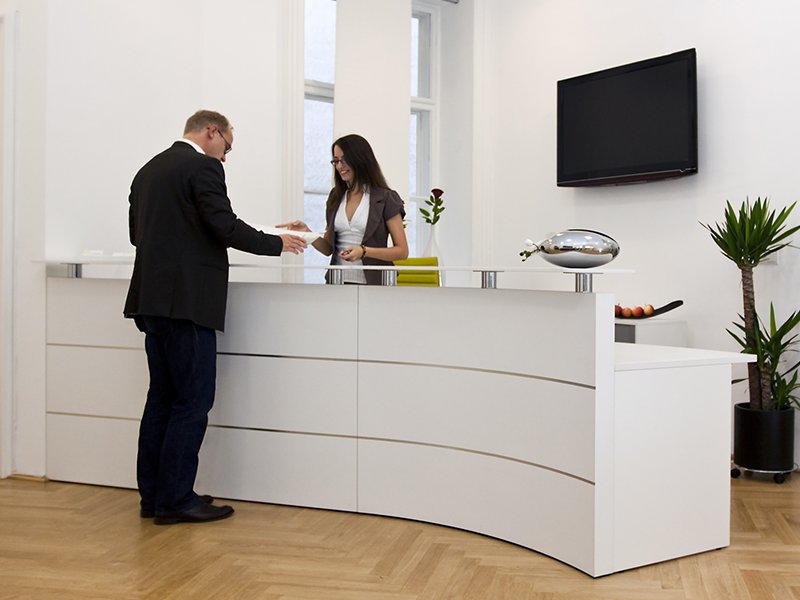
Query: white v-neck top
x,y
351,233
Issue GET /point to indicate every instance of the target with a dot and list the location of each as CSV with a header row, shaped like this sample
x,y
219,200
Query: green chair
x,y
418,277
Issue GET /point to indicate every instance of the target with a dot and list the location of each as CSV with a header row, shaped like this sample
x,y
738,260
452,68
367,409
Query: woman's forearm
x,y
399,248
387,254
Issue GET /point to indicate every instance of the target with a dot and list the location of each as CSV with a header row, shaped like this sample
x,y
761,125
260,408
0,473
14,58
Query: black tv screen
x,y
636,122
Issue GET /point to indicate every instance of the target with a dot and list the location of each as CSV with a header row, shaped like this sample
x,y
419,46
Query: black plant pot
x,y
763,440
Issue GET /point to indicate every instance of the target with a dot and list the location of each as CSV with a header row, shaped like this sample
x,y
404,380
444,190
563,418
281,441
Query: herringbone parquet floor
x,y
70,541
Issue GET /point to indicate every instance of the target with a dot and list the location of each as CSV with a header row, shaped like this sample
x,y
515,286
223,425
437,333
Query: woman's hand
x,y
294,226
352,253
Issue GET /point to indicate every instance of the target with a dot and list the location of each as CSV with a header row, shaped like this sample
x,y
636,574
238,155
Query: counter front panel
x,y
507,412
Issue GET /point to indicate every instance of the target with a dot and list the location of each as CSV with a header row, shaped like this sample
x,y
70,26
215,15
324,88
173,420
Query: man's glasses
x,y
335,162
228,147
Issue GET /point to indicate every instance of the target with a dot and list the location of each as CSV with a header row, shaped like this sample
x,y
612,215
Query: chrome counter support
x,y
389,277
337,276
583,282
74,270
489,280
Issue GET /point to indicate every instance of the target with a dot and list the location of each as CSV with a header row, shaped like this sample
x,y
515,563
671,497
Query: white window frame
x,y
322,92
427,110
319,91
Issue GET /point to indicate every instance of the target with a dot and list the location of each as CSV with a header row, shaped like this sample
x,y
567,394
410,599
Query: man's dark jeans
x,y
182,358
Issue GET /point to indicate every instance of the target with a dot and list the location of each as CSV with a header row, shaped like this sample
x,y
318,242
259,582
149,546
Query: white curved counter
x,y
505,412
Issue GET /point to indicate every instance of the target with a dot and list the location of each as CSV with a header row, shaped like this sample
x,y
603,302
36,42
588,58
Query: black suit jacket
x,y
182,224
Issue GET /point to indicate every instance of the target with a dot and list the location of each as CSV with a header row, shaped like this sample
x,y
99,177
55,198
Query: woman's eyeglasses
x,y
335,162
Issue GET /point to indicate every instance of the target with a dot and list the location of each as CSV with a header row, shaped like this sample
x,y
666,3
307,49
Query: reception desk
x,y
509,413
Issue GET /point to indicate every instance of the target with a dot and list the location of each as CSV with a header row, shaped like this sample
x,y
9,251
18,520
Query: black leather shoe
x,y
198,514
149,514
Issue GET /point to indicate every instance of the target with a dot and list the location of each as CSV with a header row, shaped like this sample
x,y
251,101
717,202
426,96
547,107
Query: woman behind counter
x,y
360,214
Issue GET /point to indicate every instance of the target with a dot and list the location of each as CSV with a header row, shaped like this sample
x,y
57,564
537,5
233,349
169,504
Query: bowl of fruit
x,y
643,312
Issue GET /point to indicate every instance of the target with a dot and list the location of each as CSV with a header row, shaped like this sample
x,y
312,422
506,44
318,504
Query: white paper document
x,y
308,236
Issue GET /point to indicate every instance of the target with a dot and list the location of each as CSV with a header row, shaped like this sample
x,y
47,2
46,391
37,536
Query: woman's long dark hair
x,y
361,159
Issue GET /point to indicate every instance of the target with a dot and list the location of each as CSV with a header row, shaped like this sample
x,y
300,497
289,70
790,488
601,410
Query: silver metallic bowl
x,y
579,249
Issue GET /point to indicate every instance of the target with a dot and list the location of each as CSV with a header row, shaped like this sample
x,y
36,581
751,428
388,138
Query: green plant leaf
x,y
752,234
771,344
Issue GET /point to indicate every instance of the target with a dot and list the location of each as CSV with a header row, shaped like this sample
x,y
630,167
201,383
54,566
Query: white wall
x,y
747,143
7,63
25,409
456,136
102,85
373,85
121,89
747,56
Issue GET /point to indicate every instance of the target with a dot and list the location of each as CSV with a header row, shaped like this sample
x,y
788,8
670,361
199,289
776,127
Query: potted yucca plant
x,y
764,426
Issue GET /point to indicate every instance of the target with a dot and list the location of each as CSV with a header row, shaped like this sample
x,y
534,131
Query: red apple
x,y
638,312
626,313
648,310
617,310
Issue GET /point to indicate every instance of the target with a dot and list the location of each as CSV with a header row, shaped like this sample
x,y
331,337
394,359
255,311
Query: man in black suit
x,y
182,224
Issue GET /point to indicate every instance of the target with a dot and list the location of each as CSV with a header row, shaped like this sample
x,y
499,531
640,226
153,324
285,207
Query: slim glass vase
x,y
432,248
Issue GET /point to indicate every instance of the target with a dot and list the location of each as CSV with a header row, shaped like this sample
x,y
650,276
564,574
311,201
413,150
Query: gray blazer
x,y
383,205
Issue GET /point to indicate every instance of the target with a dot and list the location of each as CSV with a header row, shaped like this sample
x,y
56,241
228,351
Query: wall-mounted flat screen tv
x,y
636,122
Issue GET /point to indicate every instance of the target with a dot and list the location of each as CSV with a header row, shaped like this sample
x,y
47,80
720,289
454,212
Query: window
x,y
421,54
319,71
320,40
319,75
423,113
317,136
